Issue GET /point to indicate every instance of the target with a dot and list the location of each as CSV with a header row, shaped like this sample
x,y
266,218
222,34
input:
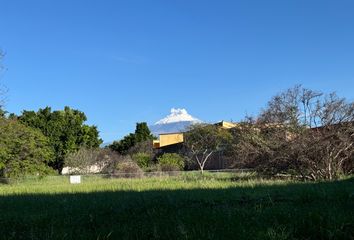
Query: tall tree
x,y
142,132
65,129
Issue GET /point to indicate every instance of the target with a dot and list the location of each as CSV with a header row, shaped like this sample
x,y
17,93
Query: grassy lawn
x,y
215,206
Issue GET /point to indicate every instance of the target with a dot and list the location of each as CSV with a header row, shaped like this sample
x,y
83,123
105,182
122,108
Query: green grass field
x,y
190,206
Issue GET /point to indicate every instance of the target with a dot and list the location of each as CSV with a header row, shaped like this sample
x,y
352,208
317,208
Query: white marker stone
x,y
75,179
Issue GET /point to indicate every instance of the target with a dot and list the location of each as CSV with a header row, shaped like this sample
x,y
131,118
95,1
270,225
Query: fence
x,y
156,174
172,173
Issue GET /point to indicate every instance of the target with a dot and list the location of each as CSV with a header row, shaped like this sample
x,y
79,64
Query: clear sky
x,y
123,62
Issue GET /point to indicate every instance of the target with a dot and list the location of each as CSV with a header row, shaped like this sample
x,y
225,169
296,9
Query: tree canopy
x,y
142,133
65,129
23,150
203,140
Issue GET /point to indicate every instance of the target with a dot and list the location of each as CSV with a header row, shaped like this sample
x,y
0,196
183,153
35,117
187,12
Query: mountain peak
x,y
178,115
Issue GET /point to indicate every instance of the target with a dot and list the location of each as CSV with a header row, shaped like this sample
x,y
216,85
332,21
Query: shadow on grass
x,y
294,211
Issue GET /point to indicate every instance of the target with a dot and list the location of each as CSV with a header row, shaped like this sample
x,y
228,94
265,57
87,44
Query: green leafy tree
x,y
23,150
203,140
122,146
65,129
141,134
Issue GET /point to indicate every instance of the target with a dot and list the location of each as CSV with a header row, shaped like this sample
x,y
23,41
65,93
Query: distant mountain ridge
x,y
177,121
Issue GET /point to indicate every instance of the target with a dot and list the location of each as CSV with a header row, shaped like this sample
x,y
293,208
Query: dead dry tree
x,y
303,133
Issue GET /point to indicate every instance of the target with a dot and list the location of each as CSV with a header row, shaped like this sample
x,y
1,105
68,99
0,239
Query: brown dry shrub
x,y
128,169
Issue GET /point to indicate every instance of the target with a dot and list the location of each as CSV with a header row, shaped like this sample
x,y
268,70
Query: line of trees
x,y
65,130
301,133
43,138
308,134
37,143
128,157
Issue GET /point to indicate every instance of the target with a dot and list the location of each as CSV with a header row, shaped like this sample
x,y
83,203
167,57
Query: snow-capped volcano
x,y
178,115
177,121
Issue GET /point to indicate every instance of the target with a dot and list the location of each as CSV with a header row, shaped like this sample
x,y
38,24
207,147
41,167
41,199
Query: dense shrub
x,y
152,168
128,168
23,150
170,162
91,161
142,159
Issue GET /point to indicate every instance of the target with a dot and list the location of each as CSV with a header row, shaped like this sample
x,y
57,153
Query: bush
x,y
128,168
91,161
142,159
152,168
80,162
23,150
171,162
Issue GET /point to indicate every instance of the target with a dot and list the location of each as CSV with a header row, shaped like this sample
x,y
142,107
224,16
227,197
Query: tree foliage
x,y
23,150
122,146
142,159
171,162
65,129
203,140
142,134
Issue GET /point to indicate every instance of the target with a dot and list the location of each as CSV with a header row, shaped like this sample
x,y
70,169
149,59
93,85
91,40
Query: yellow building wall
x,y
169,139
174,138
228,125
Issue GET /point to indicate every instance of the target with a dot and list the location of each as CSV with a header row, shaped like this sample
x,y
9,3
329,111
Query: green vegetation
x,y
302,134
142,134
23,150
204,140
65,129
189,206
142,159
171,162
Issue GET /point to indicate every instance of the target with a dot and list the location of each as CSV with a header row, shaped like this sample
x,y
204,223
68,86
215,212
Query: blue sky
x,y
122,62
